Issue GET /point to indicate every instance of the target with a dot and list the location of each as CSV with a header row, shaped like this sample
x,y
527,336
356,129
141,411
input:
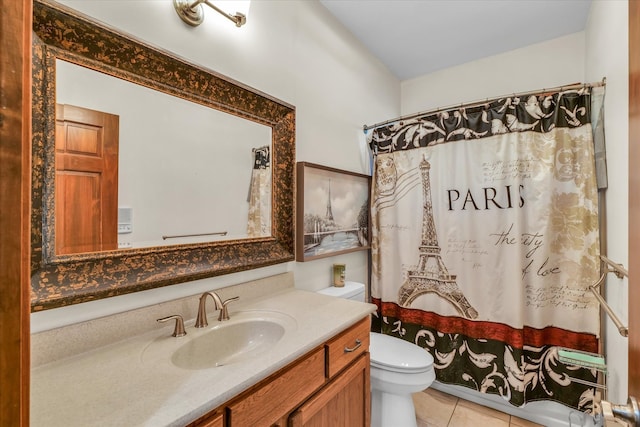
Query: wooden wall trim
x,y
15,166
634,197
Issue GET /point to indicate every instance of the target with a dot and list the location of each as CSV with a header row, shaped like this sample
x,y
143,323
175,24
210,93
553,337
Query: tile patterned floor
x,y
437,409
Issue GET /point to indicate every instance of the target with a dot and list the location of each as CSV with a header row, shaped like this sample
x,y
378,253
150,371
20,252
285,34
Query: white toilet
x,y
398,369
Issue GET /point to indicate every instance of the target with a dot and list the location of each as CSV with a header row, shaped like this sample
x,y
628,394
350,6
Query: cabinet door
x,y
344,402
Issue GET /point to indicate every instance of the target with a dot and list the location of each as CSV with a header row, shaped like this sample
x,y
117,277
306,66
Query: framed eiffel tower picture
x,y
332,211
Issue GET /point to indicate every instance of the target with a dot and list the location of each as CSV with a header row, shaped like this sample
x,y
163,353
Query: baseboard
x,y
548,414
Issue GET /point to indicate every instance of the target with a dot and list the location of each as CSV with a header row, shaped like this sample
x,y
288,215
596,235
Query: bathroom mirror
x,y
64,38
179,167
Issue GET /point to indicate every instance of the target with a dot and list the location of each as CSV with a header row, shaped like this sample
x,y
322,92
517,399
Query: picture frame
x,y
333,211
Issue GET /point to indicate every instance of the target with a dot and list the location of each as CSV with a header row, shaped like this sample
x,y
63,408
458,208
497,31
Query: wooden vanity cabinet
x,y
345,400
327,387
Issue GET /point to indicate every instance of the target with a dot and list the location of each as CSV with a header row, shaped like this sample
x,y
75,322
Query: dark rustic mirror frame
x,y
60,32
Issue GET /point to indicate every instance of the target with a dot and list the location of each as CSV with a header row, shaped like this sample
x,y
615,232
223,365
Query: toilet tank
x,y
350,290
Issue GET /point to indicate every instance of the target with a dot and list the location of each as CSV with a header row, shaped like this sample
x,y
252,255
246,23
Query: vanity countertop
x,y
119,385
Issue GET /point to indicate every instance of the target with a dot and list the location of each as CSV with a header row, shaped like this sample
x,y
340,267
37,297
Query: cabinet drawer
x,y
346,347
215,420
271,401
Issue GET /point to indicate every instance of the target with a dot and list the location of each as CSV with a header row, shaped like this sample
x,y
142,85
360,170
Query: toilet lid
x,y
395,354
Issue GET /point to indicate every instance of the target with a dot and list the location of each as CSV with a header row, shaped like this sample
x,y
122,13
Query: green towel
x,y
579,358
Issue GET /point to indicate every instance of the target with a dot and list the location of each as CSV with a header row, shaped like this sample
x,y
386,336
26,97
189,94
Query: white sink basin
x,y
228,344
247,335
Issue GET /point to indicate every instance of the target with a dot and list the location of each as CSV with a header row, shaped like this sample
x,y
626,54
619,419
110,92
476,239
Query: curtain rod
x,y
486,101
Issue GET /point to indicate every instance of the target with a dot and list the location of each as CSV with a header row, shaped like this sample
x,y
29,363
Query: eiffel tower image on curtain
x,y
431,275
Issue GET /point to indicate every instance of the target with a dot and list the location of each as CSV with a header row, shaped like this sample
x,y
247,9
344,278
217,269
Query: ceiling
x,y
417,37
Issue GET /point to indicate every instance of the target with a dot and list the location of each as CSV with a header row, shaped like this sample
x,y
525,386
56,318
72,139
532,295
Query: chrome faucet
x,y
201,319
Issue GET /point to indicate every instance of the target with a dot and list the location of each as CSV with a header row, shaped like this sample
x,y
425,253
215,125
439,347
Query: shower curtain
x,y
485,239
259,198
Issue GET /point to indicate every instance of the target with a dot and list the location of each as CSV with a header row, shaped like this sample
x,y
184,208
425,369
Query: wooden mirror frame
x,y
61,32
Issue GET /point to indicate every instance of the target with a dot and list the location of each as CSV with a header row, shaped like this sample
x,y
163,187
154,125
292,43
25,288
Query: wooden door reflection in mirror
x,y
86,181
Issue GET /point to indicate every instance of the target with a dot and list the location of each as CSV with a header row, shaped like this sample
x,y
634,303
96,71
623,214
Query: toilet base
x,y
392,410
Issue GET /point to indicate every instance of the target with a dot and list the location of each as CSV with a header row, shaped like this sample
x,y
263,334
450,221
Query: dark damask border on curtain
x,y
490,376
540,113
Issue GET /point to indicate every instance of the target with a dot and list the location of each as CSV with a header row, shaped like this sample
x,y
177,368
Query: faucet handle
x,y
224,313
178,331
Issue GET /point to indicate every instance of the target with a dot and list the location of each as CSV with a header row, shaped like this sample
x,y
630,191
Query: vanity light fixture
x,y
191,12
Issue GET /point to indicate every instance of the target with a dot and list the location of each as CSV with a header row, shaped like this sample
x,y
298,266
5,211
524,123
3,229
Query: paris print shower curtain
x,y
485,241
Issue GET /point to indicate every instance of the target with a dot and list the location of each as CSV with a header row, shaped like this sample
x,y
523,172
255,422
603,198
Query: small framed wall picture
x,y
332,211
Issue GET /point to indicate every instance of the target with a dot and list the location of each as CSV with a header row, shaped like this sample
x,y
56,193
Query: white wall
x,y
294,51
552,63
607,56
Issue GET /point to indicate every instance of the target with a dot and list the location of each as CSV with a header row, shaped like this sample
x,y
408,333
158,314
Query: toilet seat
x,y
396,355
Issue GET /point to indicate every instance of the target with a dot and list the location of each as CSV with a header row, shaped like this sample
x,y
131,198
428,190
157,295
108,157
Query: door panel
x,y
86,180
15,168
634,198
